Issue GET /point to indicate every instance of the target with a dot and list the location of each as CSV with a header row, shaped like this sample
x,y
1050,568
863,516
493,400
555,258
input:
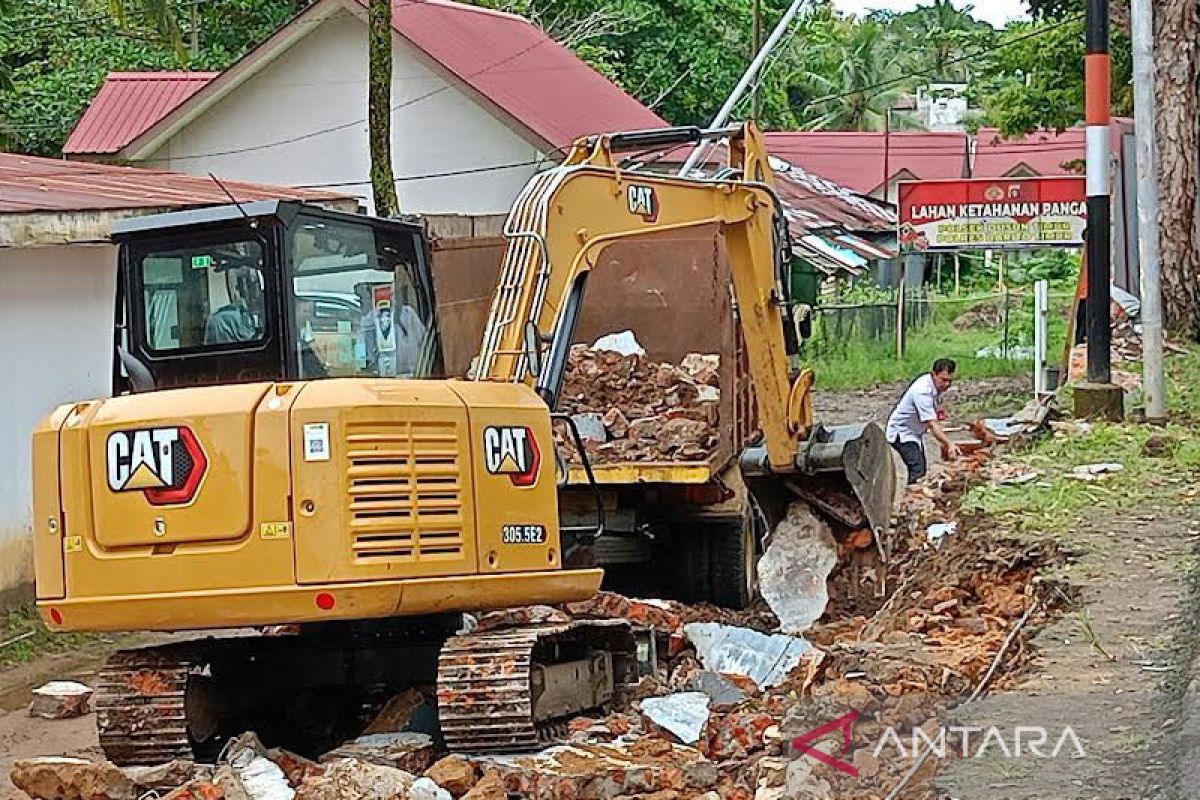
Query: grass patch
x,y
861,353
33,639
1055,503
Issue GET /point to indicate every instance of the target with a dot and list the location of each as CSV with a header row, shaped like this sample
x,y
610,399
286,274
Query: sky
x,y
997,12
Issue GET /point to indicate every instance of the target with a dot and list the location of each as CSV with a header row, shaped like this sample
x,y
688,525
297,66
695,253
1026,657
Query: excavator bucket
x,y
851,476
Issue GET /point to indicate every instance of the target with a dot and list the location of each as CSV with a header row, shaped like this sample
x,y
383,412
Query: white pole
x,y
751,73
1041,302
1141,15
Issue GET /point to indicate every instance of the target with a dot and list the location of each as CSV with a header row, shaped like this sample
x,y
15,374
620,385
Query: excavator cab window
x,y
269,291
204,296
362,302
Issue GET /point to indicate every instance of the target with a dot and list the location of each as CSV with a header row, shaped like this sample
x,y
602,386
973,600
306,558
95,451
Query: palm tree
x,y
936,35
857,93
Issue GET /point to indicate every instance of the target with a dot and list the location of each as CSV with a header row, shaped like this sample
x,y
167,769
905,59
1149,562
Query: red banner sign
x,y
986,213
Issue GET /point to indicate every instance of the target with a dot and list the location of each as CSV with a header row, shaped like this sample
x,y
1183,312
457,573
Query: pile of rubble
x,y
731,711
630,408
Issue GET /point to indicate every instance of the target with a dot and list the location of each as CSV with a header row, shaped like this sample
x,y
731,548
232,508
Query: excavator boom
x,y
566,216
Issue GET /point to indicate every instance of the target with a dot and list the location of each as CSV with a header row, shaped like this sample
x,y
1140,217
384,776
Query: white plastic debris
x,y
793,571
426,789
1019,479
940,530
590,426
707,394
262,778
1094,472
624,343
764,658
684,714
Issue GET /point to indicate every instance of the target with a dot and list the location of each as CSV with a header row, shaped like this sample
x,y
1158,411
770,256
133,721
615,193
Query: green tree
x,y
58,52
939,38
1033,78
863,86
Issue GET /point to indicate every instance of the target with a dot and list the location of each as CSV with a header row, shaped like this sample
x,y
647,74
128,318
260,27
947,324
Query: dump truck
x,y
282,454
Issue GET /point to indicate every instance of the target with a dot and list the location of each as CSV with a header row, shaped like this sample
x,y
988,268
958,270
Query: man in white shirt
x,y
920,412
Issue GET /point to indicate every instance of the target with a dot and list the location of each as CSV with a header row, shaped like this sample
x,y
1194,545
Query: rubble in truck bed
x,y
899,647
631,408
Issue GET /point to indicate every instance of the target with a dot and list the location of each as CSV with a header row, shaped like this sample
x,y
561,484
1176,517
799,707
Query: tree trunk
x,y
379,107
1177,62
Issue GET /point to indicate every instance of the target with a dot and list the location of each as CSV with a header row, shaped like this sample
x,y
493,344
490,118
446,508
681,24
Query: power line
x,y
344,126
968,57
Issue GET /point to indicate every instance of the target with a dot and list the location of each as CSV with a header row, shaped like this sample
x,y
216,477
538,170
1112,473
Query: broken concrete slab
x,y
408,751
61,700
766,659
453,773
61,778
397,712
793,571
490,787
684,715
351,779
597,772
721,691
168,776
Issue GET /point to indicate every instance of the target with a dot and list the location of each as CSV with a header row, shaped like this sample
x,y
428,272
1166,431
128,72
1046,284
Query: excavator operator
x,y
239,320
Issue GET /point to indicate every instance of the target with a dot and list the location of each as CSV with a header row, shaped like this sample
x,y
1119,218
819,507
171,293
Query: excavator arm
x,y
565,217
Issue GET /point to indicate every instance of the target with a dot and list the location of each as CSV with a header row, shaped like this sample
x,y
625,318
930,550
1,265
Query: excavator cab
x,y
272,290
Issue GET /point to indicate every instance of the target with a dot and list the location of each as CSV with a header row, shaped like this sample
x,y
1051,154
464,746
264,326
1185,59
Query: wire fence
x,y
997,324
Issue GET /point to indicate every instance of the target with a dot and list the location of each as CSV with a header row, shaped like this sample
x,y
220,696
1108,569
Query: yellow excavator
x,y
278,456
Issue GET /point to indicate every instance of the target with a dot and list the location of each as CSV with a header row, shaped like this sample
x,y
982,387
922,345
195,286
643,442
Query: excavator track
x,y
140,705
511,689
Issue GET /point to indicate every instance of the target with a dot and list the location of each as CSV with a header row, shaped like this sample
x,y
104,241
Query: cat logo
x,y
643,202
513,452
165,464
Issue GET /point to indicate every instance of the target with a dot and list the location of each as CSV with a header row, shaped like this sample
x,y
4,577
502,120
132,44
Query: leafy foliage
x,y
57,53
1036,80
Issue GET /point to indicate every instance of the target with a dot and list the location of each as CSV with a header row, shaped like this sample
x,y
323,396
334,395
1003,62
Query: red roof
x,y
30,183
1041,152
127,104
520,69
857,160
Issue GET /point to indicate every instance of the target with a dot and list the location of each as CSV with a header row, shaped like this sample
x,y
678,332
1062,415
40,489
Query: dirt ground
x,y
22,736
1107,668
968,398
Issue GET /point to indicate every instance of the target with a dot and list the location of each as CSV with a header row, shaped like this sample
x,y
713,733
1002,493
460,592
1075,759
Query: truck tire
x,y
734,556
692,556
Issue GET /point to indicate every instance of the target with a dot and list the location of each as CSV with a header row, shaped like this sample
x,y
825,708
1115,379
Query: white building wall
x,y
311,102
56,306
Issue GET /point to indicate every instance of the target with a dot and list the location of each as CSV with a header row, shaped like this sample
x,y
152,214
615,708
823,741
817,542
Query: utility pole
x,y
1098,397
756,35
1142,17
747,79
887,152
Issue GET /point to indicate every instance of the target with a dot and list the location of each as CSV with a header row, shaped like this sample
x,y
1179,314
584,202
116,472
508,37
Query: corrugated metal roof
x,y
30,184
515,65
127,105
857,160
